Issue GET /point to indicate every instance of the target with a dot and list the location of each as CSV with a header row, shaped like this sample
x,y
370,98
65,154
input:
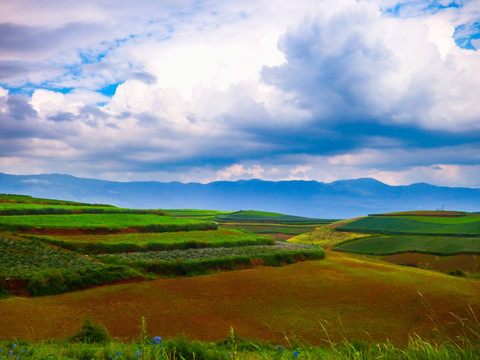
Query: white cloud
x,y
218,80
238,171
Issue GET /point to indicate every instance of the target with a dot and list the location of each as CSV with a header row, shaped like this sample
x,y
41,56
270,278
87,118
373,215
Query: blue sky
x,y
199,91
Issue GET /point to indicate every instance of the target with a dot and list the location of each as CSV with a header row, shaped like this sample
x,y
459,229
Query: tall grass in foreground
x,y
93,342
182,348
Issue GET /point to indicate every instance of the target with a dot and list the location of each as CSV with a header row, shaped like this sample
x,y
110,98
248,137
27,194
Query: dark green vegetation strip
x,y
401,225
261,216
272,228
144,222
388,245
199,261
58,282
25,199
132,242
37,209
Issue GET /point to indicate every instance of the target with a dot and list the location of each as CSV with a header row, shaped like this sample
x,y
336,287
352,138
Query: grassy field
x,y
460,226
91,220
108,221
114,243
393,244
341,297
327,235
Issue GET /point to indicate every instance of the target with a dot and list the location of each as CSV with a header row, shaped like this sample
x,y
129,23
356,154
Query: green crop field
x,y
34,209
195,213
113,243
387,245
472,218
24,259
270,228
25,199
459,226
269,217
92,220
255,251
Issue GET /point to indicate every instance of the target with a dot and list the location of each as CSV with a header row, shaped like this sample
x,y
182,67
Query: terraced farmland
x,y
136,243
468,225
394,244
24,259
46,224
115,243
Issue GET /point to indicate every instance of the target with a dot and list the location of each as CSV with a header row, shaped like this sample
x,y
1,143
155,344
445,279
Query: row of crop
x,y
93,220
200,226
199,261
262,217
271,228
391,225
40,209
26,199
254,251
62,281
126,247
24,259
394,244
51,271
198,267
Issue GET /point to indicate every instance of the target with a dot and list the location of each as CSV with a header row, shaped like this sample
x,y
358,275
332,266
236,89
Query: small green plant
x,y
91,333
3,287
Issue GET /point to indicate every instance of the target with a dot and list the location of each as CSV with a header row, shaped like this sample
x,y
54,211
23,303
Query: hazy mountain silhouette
x,y
339,199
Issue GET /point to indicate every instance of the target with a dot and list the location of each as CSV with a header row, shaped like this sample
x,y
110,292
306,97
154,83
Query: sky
x,y
201,91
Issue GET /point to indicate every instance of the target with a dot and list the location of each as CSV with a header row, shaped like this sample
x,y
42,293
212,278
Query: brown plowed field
x,y
468,263
351,296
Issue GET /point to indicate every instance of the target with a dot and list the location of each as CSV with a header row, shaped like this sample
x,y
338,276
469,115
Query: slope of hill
x,y
336,200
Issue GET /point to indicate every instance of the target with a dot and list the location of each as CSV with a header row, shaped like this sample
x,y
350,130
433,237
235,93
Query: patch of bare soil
x,y
467,263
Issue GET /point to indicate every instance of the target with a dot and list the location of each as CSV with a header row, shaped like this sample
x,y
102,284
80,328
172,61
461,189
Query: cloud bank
x,y
221,90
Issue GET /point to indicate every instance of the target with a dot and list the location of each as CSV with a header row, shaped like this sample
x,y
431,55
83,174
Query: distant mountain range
x,y
339,199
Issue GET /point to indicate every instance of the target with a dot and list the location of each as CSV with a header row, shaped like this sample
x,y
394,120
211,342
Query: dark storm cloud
x,y
19,108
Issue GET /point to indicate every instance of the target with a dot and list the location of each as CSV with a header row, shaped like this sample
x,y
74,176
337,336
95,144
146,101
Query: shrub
x,y
91,334
3,287
57,282
457,272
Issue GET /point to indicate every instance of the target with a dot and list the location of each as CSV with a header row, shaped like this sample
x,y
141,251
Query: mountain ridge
x,y
338,199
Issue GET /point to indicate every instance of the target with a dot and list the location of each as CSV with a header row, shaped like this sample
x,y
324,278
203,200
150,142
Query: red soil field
x,y
468,263
352,296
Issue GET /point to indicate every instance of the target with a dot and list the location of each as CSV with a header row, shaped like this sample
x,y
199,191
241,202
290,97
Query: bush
x,y
58,282
3,287
457,272
91,334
